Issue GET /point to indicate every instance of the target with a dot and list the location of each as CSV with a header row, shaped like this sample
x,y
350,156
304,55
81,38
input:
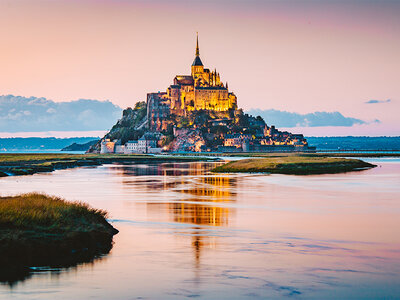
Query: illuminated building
x,y
202,90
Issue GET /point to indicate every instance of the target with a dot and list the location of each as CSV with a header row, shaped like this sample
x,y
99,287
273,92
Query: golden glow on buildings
x,y
202,90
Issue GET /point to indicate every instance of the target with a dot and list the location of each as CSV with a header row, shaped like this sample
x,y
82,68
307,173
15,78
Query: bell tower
x,y
197,65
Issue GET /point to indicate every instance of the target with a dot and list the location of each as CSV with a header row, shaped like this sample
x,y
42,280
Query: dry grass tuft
x,y
35,210
294,164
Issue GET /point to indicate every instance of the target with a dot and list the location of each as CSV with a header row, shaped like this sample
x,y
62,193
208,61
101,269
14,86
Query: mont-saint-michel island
x,y
213,150
197,113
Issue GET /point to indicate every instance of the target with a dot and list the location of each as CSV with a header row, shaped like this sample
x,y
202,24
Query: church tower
x,y
197,65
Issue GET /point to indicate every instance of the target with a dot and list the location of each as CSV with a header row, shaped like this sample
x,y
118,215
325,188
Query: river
x,y
188,233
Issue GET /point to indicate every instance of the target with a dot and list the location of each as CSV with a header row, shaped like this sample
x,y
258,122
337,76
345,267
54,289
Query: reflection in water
x,y
185,233
214,190
166,169
55,271
204,204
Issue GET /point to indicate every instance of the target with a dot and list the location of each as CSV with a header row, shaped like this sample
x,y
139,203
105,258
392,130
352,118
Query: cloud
x,y
23,114
281,118
378,101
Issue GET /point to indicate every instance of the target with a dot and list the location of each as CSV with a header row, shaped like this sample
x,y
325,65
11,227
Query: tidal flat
x,y
294,165
283,163
185,232
32,163
39,230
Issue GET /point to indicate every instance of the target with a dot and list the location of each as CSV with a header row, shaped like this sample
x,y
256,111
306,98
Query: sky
x,y
298,57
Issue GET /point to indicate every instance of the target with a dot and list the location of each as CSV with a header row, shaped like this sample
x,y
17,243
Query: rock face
x,y
131,126
187,140
199,130
196,113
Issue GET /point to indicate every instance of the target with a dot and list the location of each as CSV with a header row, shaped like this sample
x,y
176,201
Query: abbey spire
x,y
197,63
197,45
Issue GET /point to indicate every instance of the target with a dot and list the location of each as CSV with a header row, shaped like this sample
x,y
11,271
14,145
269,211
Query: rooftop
x,y
197,61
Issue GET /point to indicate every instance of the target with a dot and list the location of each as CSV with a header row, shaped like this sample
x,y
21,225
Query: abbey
x,y
202,90
196,113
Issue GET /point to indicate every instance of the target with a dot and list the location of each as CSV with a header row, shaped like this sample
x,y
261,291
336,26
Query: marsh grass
x,y
41,230
36,210
294,164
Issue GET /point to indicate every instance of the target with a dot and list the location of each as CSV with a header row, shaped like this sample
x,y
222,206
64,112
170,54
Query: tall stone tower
x,y
197,65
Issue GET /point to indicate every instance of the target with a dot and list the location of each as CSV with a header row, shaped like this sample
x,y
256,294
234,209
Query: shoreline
x,y
32,163
294,165
268,154
37,230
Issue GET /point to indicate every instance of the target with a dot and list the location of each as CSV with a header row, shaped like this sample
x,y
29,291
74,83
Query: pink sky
x,y
286,55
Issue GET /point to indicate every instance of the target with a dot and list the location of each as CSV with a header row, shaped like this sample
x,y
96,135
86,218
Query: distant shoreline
x,y
323,144
31,163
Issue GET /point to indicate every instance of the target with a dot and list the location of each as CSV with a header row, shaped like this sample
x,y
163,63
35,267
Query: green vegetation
x,y
294,164
39,230
80,147
127,127
26,164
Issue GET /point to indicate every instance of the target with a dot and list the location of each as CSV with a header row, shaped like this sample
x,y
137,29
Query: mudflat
x,y
294,164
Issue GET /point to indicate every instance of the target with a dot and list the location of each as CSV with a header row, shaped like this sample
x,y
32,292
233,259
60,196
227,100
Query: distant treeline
x,y
322,143
35,143
355,143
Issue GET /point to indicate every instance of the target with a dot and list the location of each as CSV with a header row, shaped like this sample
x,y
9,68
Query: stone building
x,y
202,90
131,147
158,110
236,140
107,146
147,142
118,147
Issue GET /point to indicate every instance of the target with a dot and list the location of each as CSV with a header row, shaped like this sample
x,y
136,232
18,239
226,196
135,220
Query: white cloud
x,y
281,118
51,110
19,114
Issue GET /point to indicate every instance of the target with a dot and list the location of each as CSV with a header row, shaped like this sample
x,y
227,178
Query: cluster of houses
x,y
270,140
146,144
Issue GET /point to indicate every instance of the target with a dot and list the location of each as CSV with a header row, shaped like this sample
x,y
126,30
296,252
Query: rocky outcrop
x,y
130,127
187,140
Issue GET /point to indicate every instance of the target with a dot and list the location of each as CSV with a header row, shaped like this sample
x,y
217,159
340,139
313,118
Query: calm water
x,y
186,233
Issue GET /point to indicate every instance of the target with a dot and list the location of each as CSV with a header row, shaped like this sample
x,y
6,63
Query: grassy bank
x,y
309,154
39,230
294,164
26,164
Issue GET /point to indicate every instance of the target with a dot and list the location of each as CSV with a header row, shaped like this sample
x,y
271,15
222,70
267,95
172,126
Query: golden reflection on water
x,y
213,190
203,204
213,236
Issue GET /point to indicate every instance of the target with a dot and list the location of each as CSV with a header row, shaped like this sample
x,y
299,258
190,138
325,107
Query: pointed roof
x,y
197,61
